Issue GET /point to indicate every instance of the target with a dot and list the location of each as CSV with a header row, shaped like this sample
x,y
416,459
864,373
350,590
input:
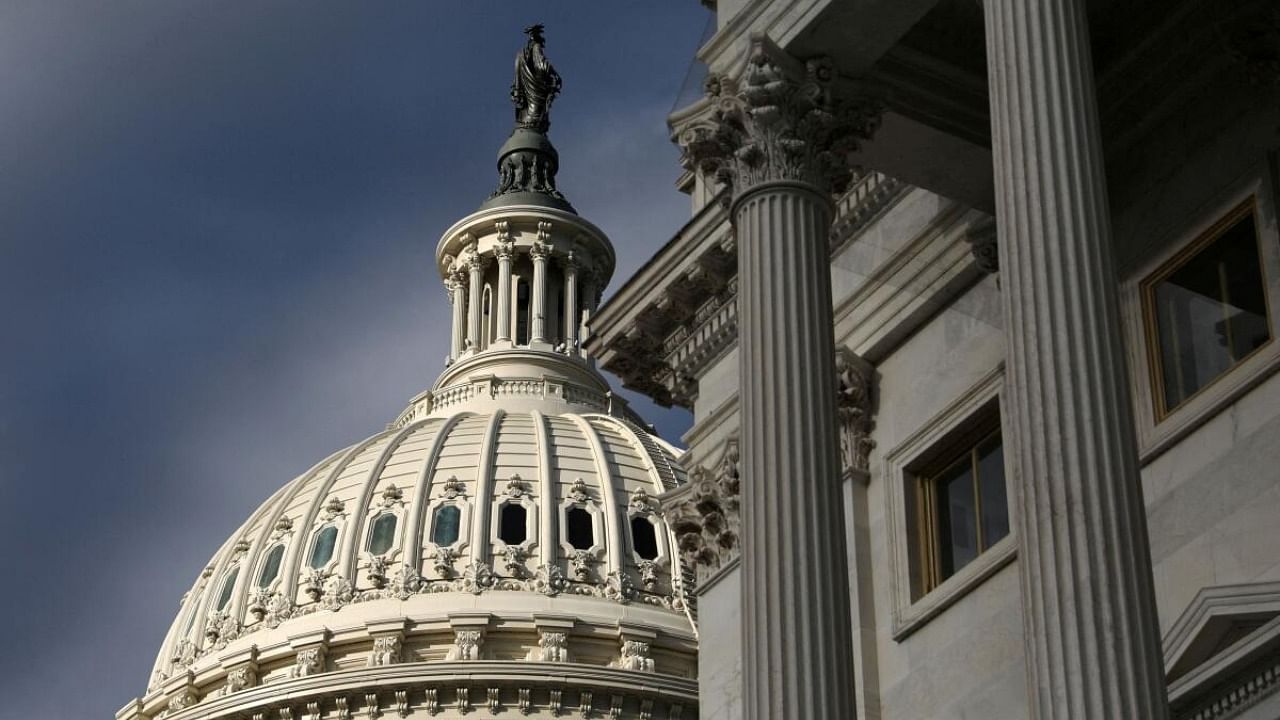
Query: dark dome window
x,y
644,538
581,529
228,585
445,529
271,566
322,550
383,534
512,524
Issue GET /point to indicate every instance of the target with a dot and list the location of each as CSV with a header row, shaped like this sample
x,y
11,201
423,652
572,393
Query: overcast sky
x,y
216,228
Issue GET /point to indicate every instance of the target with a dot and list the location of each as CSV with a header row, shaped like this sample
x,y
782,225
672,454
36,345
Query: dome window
x,y
445,532
581,528
383,534
228,584
271,566
513,522
644,538
322,548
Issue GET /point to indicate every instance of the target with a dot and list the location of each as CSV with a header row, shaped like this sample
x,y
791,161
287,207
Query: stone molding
x,y
779,121
704,514
432,687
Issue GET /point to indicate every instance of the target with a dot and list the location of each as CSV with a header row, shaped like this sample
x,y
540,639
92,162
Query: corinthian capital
x,y
779,121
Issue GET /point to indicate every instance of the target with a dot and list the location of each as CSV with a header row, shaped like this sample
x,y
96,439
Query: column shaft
x,y
1091,630
538,331
458,298
795,593
473,316
571,308
504,295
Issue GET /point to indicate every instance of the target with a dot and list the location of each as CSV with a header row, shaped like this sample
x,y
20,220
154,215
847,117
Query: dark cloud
x,y
216,225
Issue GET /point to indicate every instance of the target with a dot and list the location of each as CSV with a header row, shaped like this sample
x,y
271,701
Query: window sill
x,y
916,615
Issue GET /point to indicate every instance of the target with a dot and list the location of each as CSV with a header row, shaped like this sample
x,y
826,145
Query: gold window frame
x,y
1151,330
928,539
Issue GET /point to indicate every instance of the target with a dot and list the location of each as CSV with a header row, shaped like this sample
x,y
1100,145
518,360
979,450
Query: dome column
x,y
475,265
779,147
540,251
1092,637
570,264
457,285
588,304
504,251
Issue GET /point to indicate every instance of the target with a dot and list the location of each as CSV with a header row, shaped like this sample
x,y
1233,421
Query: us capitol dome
x,y
498,549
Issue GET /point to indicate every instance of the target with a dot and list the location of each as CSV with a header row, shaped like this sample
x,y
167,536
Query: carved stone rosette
x,y
779,122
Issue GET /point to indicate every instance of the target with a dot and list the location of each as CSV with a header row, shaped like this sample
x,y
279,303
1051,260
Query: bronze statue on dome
x,y
536,83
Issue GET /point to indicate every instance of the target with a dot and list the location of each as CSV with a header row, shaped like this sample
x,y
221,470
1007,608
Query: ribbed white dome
x,y
275,577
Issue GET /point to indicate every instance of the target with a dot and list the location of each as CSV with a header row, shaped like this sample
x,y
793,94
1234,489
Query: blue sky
x,y
216,227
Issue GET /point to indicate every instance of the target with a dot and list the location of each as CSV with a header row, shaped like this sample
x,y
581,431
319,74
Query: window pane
x,y
383,534
995,501
643,538
271,566
445,531
228,584
957,512
322,550
1211,312
512,523
580,532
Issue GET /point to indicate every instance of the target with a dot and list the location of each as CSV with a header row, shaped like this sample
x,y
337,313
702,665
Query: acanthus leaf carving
x,y
779,122
855,378
705,515
466,645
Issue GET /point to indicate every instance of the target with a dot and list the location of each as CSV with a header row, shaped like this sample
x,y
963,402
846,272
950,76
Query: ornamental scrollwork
x,y
552,647
635,656
308,661
387,650
466,645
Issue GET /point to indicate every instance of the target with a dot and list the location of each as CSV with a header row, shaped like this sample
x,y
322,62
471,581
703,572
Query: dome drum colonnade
x,y
500,545
530,282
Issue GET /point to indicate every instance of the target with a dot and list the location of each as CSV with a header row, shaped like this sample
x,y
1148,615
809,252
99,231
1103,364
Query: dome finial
x,y
527,162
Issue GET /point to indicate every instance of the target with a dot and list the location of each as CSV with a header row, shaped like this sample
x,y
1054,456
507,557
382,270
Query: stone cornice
x,y
678,313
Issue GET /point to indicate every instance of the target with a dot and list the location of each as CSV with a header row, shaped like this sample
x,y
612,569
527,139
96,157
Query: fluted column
x,y
570,265
475,266
457,284
589,300
780,148
1091,630
504,250
540,251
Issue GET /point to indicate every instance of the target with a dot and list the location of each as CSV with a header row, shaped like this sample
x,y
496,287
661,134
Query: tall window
x,y
522,312
963,508
1206,309
486,318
